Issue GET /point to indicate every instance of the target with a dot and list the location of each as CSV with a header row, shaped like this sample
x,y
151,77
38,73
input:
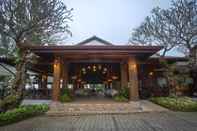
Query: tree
x,y
183,18
173,27
6,46
155,30
27,22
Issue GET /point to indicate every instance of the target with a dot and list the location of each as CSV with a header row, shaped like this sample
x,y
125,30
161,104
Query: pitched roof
x,y
93,39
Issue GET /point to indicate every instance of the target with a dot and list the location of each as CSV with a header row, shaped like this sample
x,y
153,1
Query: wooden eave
x,y
95,49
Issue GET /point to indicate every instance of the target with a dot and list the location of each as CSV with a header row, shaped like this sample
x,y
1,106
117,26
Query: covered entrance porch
x,y
95,78
98,68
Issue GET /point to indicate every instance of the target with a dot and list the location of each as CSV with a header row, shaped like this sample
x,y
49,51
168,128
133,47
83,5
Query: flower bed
x,y
21,113
176,103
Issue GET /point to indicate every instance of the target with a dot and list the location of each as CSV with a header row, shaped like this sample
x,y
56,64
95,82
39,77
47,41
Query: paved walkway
x,y
160,121
59,109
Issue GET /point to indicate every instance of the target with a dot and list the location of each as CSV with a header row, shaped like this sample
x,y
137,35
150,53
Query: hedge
x,y
185,104
21,113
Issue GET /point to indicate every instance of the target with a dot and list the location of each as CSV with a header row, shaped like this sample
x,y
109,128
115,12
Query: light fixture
x,y
83,69
114,77
55,64
79,80
109,80
105,69
74,77
134,65
99,67
83,82
89,67
151,73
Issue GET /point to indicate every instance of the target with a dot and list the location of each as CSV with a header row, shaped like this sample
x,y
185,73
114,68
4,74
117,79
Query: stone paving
x,y
152,121
59,109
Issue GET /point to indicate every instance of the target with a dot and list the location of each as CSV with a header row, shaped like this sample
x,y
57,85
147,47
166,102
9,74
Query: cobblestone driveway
x,y
133,122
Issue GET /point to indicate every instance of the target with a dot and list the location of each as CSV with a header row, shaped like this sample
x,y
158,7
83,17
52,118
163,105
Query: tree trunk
x,y
19,82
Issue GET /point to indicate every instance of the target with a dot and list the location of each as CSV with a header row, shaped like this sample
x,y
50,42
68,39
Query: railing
x,y
37,94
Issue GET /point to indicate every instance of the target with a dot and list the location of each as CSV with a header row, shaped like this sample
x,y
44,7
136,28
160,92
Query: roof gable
x,y
94,41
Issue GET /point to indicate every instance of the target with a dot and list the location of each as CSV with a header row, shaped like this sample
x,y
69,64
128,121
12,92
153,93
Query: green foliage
x,y
9,102
123,95
65,96
120,98
21,113
176,76
176,103
124,92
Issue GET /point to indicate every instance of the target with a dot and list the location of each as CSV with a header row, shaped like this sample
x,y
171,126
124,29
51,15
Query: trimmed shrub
x,y
125,92
9,102
176,103
65,96
120,98
21,113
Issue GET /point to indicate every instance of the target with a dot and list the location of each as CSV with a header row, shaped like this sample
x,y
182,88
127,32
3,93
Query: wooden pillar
x,y
39,81
44,84
44,81
124,81
133,79
65,75
56,79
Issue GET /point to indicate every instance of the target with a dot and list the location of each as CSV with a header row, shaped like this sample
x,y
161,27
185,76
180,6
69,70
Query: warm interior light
x,y
151,73
134,66
89,67
83,82
114,77
109,80
74,77
54,65
83,69
79,80
99,67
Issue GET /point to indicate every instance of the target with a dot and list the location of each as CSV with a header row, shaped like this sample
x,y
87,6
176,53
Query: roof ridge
x,y
94,38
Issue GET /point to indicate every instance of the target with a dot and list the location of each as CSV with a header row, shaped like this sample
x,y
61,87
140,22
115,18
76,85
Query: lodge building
x,y
96,61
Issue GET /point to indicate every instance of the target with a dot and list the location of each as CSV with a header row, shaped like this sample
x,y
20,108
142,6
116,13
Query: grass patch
x,y
184,104
21,113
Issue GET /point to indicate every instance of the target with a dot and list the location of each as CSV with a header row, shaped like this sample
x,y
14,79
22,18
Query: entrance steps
x,y
59,109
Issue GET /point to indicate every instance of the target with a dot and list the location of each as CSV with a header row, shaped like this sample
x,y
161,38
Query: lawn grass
x,y
184,104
